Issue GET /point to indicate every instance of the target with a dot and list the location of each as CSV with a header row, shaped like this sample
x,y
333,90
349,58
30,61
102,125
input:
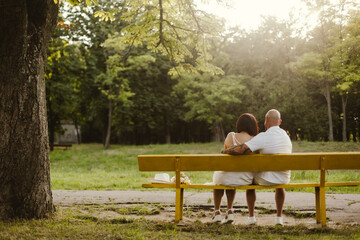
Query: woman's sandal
x,y
229,218
217,216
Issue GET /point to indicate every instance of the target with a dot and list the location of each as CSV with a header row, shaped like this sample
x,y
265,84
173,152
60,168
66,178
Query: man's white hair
x,y
273,116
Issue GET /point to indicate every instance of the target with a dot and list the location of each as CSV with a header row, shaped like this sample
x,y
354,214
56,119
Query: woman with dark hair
x,y
246,128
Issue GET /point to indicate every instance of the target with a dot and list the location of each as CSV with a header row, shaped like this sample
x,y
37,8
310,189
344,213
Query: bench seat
x,y
253,162
202,186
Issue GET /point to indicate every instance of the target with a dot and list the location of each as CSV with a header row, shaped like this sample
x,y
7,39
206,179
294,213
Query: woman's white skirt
x,y
233,179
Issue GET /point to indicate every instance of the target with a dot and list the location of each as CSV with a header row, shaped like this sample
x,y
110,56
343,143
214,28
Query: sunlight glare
x,y
247,13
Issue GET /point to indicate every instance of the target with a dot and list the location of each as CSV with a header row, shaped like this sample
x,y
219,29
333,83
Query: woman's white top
x,y
233,179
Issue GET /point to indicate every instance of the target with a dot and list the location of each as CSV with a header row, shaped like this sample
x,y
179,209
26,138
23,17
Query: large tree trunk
x,y
328,100
26,28
343,105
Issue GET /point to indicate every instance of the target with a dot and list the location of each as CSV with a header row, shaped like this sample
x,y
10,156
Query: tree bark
x,y
343,105
167,130
26,28
219,135
78,136
357,138
108,132
328,100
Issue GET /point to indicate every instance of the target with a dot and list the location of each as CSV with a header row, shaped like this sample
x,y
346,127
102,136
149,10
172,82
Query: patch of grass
x,y
69,223
299,214
353,202
122,220
305,146
90,167
266,210
88,218
135,210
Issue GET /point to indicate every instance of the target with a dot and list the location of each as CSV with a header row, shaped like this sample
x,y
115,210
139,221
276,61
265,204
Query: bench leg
x,y
317,204
323,206
179,204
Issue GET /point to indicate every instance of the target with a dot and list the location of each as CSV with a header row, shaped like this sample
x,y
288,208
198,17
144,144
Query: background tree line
x,y
120,91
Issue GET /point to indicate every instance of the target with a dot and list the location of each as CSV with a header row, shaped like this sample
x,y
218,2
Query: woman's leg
x,y
218,194
230,195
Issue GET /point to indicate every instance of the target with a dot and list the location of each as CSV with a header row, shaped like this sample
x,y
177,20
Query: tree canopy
x,y
211,74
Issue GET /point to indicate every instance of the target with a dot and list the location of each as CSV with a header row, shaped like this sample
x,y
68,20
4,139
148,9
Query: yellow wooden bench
x,y
254,162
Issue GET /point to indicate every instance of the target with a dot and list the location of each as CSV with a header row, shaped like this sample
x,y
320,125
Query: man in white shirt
x,y
274,140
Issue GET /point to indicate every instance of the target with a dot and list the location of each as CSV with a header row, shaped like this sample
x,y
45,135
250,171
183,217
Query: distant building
x,y
70,134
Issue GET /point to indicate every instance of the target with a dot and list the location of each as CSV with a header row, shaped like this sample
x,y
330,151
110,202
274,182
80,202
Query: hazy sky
x,y
246,13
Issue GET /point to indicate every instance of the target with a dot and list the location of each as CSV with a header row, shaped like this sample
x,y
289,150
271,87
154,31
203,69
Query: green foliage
x,y
77,2
172,28
64,67
345,67
106,16
89,32
207,96
273,66
309,65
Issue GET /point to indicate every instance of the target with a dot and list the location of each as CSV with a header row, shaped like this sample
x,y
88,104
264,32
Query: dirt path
x,y
299,208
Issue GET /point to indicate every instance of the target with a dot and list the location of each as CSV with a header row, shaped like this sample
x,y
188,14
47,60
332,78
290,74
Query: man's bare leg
x,y
250,199
279,199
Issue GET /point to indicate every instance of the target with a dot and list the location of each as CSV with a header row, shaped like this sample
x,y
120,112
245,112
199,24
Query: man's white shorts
x,y
261,178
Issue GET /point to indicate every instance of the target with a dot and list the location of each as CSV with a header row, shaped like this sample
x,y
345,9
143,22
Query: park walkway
x,y
341,208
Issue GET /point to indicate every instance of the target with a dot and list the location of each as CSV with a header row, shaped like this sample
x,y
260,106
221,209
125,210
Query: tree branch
x,y
161,24
194,17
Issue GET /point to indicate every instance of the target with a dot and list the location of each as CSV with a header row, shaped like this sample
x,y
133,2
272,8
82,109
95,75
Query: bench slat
x,y
339,184
156,163
291,185
253,162
222,162
339,161
201,186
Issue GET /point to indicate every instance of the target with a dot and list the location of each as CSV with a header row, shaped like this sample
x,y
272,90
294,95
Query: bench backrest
x,y
253,162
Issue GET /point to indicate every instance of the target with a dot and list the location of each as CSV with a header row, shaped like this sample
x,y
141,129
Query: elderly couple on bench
x,y
247,139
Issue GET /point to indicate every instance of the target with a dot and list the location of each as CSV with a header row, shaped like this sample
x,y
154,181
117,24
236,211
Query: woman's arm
x,y
228,143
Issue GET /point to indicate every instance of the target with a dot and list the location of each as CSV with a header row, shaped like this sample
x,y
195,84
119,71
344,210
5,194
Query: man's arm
x,y
237,150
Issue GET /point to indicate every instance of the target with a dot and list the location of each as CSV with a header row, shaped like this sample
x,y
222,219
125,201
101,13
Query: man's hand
x,y
237,150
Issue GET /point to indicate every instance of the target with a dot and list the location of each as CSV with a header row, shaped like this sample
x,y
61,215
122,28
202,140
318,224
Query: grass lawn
x,y
84,222
90,167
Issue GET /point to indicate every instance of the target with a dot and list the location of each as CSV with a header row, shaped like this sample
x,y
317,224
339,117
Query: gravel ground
x,y
299,208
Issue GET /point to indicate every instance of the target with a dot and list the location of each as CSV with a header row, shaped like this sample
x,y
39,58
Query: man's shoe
x,y
217,217
251,221
279,221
